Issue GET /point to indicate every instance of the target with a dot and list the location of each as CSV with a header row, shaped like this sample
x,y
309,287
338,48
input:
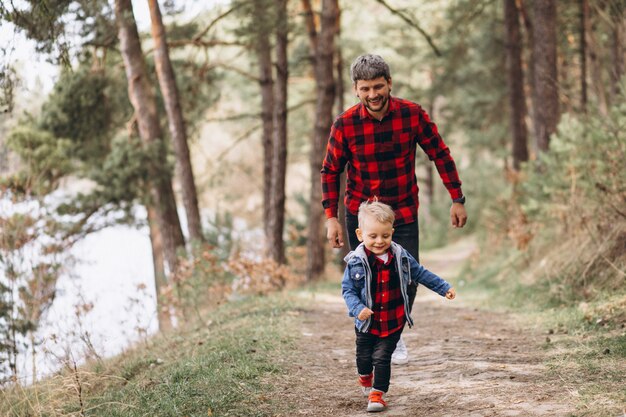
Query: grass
x,y
585,340
223,369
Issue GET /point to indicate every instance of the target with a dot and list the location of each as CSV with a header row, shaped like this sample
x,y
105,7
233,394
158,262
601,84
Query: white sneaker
x,y
400,356
376,402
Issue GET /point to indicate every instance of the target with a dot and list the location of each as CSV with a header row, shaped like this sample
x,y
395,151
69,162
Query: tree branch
x,y
199,36
413,24
206,44
235,69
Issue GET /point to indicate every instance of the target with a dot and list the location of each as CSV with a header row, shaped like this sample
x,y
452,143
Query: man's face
x,y
374,94
375,235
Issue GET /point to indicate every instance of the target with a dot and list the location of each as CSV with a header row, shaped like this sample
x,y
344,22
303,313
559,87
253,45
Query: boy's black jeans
x,y
373,353
405,235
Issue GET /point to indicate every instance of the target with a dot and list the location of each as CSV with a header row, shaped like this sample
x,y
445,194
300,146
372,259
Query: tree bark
x,y
341,213
161,195
584,23
325,86
176,122
279,151
618,35
160,279
546,84
266,83
515,78
530,40
595,69
339,65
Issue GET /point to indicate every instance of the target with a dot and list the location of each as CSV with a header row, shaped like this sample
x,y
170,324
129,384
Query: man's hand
x,y
334,232
451,294
458,215
365,314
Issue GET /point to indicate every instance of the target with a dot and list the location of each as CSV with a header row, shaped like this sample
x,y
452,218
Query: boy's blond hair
x,y
380,211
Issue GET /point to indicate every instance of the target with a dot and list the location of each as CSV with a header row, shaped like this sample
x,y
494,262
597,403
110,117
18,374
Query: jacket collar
x,y
359,253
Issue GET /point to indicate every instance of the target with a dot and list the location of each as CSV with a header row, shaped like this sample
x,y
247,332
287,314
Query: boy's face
x,y
375,235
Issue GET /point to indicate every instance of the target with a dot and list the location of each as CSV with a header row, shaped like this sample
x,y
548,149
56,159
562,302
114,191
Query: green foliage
x,y
45,156
79,109
566,218
472,78
48,24
125,170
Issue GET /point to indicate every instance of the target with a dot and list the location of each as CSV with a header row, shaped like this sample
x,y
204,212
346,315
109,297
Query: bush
x,y
565,217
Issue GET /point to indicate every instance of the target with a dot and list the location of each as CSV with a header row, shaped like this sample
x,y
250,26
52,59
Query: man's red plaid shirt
x,y
380,159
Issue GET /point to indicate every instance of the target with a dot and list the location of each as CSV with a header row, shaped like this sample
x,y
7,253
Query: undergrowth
x,y
554,248
222,368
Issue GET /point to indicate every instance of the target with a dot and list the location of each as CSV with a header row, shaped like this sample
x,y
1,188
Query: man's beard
x,y
383,103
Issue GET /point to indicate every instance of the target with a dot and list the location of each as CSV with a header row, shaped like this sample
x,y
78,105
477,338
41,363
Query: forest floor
x,y
463,361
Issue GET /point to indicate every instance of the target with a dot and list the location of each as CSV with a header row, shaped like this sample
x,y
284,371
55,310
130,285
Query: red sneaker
x,y
376,402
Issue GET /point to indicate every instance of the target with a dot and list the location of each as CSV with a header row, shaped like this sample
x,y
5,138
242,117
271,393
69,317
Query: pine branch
x,y
200,35
413,24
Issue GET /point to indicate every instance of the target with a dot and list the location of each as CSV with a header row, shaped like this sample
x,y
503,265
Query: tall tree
x,y
584,23
322,52
618,38
158,264
279,146
142,97
515,78
340,83
546,99
263,49
176,121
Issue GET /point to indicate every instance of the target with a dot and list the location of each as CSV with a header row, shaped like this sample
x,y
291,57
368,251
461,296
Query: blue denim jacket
x,y
357,277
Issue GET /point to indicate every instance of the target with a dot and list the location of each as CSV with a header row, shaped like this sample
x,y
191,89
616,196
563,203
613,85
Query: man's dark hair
x,y
368,67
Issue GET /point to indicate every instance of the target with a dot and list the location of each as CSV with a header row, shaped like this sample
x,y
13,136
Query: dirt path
x,y
462,361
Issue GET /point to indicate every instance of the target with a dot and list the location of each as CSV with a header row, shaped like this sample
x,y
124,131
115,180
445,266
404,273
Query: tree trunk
x,y
279,151
176,122
339,65
546,100
595,67
161,195
617,46
584,24
325,86
515,77
160,279
341,207
266,82
530,40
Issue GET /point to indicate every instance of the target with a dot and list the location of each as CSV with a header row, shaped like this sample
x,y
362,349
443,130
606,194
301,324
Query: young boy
x,y
374,288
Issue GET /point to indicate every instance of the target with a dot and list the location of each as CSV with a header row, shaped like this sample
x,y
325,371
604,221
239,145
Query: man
x,y
376,140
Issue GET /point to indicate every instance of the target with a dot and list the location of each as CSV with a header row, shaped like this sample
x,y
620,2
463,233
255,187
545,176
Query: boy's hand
x,y
365,314
451,294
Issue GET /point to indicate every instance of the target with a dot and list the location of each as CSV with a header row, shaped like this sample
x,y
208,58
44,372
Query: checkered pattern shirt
x,y
388,304
380,159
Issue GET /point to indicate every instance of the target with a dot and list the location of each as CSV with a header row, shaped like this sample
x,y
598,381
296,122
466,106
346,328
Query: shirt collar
x,y
373,259
393,106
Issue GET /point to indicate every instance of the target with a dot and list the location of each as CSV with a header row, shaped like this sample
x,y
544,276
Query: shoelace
x,y
377,397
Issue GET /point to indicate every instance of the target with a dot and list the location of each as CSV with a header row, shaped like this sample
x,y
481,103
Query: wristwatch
x,y
459,200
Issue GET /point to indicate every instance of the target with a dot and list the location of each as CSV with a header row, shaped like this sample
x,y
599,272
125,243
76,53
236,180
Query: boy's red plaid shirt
x,y
380,158
388,304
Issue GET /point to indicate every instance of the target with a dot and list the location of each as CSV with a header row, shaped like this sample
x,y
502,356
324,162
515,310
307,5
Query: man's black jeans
x,y
405,235
373,353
